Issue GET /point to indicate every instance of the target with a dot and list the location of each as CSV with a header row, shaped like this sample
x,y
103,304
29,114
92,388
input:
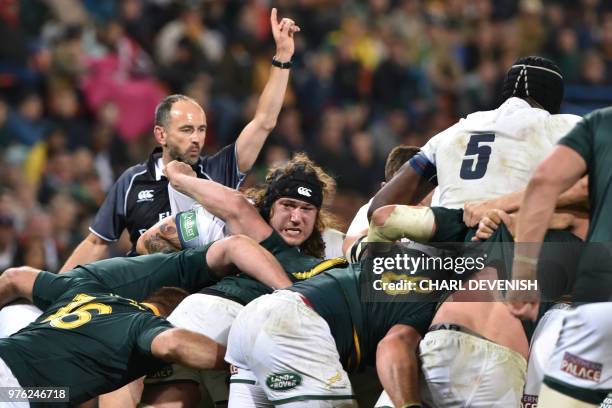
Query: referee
x,y
139,198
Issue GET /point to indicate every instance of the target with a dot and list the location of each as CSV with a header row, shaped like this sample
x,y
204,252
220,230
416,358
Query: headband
x,y
300,186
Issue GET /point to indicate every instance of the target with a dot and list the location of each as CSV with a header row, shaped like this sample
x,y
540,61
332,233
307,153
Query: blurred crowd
x,y
79,81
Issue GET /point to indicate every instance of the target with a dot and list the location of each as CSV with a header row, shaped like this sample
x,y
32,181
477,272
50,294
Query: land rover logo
x,y
304,191
283,381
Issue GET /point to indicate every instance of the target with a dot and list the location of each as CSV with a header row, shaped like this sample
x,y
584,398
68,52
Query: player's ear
x,y
160,135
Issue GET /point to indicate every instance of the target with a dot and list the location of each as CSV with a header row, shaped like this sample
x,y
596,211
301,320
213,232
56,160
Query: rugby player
x,y
578,374
485,156
558,285
298,344
286,218
482,157
139,198
92,340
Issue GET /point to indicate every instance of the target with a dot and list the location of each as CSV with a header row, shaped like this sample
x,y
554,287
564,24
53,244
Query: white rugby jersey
x,y
179,201
492,153
196,225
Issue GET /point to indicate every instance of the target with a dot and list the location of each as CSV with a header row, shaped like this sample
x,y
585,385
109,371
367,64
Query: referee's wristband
x,y
281,65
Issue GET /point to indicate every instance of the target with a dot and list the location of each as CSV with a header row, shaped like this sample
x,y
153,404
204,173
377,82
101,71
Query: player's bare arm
x,y
223,202
240,253
406,187
491,220
17,283
574,198
162,237
397,365
253,136
547,183
188,348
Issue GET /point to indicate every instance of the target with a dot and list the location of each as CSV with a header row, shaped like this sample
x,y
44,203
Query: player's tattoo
x,y
167,229
156,244
170,234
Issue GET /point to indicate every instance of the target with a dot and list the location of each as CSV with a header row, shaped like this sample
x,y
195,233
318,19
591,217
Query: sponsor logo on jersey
x,y
283,381
581,368
304,191
145,195
188,225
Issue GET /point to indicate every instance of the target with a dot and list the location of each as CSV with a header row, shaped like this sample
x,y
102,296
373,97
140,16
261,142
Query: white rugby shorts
x,y
211,316
463,370
290,350
541,348
15,317
581,363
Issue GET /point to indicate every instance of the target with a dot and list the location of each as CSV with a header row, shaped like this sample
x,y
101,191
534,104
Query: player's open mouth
x,y
293,232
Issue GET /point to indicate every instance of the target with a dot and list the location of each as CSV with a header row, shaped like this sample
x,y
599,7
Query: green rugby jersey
x,y
356,322
592,139
137,277
243,289
87,339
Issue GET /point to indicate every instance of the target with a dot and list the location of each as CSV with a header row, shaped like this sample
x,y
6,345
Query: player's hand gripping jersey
x,y
490,153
